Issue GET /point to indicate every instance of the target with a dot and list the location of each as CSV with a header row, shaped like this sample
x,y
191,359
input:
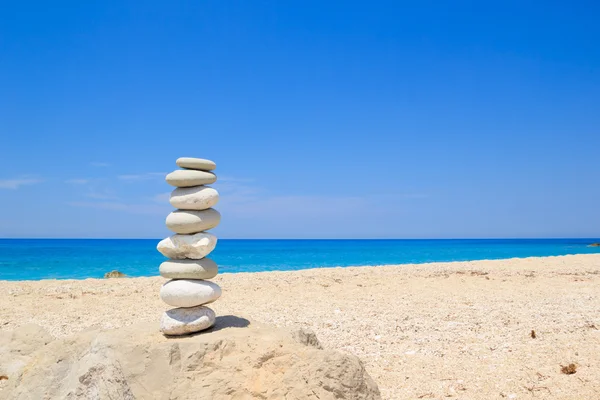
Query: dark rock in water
x,y
594,245
114,274
232,360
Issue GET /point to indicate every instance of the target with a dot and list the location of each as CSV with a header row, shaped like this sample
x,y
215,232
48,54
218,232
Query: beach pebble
x,y
189,177
189,269
194,198
180,321
195,246
186,221
189,292
196,163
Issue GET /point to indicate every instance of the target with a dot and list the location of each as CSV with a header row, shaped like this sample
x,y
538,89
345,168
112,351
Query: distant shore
x,y
461,329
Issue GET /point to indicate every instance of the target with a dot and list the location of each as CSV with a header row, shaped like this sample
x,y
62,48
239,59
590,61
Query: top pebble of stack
x,y
196,163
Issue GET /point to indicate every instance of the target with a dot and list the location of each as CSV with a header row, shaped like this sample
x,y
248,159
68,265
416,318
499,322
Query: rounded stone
x,y
190,177
196,163
186,221
181,321
194,198
179,247
189,269
189,292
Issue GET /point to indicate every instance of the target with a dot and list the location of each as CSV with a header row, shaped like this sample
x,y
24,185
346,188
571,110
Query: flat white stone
x,y
194,198
179,247
196,163
190,177
189,292
181,321
188,221
189,269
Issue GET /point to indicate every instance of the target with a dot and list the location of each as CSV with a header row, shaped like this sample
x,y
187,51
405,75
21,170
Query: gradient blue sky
x,y
330,119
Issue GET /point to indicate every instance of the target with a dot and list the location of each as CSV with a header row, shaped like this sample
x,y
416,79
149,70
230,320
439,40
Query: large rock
x,y
189,292
179,247
189,177
189,269
196,163
186,222
233,360
194,198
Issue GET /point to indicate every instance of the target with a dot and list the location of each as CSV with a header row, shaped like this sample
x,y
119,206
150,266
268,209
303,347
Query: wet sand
x,y
430,331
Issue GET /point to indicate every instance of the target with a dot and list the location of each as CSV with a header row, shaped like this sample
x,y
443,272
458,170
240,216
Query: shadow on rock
x,y
229,321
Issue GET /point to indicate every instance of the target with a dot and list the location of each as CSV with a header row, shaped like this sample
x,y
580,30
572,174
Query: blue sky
x,y
348,119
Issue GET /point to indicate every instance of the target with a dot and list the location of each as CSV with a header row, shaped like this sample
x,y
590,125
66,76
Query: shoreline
x,y
431,330
319,268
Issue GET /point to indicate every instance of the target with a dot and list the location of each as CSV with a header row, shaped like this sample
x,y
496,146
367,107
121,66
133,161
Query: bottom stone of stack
x,y
181,321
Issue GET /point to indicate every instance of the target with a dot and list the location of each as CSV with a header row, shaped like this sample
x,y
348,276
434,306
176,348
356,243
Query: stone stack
x,y
188,268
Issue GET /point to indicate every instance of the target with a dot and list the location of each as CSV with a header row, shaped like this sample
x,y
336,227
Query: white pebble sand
x,y
431,331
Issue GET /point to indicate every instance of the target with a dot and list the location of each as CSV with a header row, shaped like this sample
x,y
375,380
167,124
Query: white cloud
x,y
142,177
238,192
77,181
17,183
94,188
294,206
123,207
231,179
105,195
99,164
249,201
245,200
162,198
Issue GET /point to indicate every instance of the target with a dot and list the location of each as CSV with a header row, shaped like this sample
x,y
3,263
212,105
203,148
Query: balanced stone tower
x,y
188,268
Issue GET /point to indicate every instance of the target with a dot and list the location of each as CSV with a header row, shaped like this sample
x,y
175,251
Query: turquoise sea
x,y
26,259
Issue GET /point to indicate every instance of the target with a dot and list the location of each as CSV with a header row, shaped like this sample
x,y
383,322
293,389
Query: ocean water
x,y
32,259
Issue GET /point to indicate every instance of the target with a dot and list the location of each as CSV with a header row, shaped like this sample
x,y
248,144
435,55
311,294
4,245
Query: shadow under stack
x,y
188,268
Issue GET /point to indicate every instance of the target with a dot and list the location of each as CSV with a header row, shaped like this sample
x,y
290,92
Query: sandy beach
x,y
431,331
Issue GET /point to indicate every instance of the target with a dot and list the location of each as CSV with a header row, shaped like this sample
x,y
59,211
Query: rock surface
x,y
189,269
233,360
16,347
189,177
196,163
186,222
189,292
179,247
194,198
181,321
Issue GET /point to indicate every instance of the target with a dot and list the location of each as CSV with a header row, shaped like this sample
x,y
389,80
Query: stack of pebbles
x,y
188,267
